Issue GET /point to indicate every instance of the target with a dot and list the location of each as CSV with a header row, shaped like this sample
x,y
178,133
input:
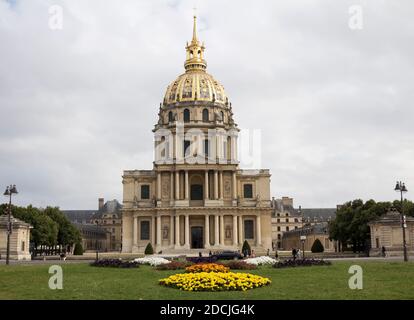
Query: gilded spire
x,y
195,52
195,40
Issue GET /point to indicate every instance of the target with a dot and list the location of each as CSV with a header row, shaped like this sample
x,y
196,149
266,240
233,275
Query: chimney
x,y
287,201
100,203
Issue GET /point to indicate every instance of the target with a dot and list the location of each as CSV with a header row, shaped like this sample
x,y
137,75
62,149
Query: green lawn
x,y
381,280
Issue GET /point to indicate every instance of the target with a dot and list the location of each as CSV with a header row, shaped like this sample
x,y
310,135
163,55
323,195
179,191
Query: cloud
x,y
77,105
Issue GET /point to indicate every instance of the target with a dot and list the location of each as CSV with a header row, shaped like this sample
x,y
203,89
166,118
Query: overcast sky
x,y
334,102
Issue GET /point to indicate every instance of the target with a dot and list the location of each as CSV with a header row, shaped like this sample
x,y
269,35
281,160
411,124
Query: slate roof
x,y
79,216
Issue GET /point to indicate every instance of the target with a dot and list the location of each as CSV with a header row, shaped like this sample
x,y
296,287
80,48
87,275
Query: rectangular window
x,y
206,144
287,228
287,219
278,228
248,191
145,191
145,230
23,245
248,229
186,150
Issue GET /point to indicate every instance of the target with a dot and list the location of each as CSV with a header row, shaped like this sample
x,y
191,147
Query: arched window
x,y
170,117
205,115
186,115
222,115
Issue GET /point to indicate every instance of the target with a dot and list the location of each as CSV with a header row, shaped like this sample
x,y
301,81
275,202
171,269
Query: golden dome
x,y
195,84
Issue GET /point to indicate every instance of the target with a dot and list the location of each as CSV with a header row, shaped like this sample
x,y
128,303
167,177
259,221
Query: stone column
x,y
216,230
187,231
186,185
234,186
177,185
158,185
206,191
177,230
207,231
221,185
171,230
215,185
258,231
153,230
158,230
222,230
240,229
235,230
135,234
172,186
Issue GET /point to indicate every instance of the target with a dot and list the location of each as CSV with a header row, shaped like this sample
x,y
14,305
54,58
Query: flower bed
x,y
173,265
152,261
301,263
215,281
240,265
115,263
207,267
202,259
263,260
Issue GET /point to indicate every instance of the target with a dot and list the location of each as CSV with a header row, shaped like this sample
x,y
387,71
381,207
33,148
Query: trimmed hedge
x,y
317,246
149,249
78,250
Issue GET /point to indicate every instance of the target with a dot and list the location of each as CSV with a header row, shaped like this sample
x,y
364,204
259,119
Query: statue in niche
x,y
165,232
228,232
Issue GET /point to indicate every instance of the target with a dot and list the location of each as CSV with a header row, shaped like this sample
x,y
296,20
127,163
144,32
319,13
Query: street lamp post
x,y
302,236
400,187
9,191
96,240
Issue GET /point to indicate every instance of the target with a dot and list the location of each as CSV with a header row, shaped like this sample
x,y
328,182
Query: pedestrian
x,y
294,253
268,252
200,254
276,255
210,254
253,255
298,253
383,251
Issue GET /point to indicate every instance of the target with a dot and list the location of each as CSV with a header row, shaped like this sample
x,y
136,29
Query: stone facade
x,y
196,196
387,232
291,239
19,239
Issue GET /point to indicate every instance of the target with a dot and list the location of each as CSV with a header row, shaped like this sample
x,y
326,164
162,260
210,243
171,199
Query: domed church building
x,y
196,196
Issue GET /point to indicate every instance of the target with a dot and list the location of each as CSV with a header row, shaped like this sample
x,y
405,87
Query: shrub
x,y
78,250
246,247
115,263
174,265
240,265
317,246
207,267
149,249
301,263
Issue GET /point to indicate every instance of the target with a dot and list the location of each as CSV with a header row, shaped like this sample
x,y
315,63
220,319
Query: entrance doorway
x,y
197,238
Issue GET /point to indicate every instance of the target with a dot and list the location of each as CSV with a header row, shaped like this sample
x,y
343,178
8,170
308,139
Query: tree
x,y
246,248
350,226
149,249
317,246
78,251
